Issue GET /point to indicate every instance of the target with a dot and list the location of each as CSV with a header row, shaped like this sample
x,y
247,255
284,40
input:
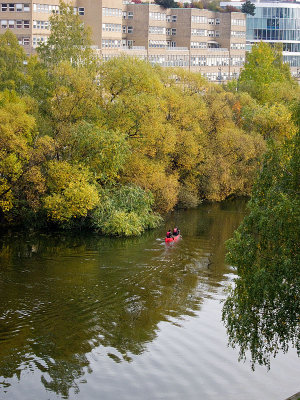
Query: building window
x,y
26,7
130,15
198,32
157,30
211,33
26,24
130,29
81,10
124,28
11,24
174,18
19,24
19,7
211,21
26,41
4,7
218,21
217,33
198,45
4,24
173,31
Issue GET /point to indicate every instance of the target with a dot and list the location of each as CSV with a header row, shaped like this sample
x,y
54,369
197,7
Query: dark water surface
x,y
84,317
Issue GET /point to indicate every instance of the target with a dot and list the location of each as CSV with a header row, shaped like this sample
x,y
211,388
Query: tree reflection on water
x,y
62,296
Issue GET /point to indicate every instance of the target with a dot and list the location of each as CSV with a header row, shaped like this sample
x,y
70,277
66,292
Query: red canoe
x,y
172,239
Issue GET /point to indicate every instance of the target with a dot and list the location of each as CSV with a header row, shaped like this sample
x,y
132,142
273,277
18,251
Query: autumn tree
x,y
262,311
22,154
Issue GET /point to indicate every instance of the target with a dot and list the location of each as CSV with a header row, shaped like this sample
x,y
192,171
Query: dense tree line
x,y
115,145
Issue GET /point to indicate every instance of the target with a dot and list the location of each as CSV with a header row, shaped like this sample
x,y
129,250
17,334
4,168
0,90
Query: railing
x,y
217,49
176,48
133,48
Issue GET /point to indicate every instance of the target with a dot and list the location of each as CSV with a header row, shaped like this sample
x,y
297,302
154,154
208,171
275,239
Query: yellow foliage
x,y
151,175
72,194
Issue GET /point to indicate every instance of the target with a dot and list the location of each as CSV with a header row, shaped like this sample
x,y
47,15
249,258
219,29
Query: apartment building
x,y
204,41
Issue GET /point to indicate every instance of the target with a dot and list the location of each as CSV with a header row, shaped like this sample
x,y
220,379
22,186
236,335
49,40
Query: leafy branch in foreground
x,y
262,311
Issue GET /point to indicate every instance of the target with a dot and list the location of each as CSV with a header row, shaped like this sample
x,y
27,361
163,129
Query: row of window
x,y
198,45
41,24
18,7
160,30
162,17
127,29
111,43
238,22
24,41
112,27
128,15
215,61
267,34
157,16
238,46
157,30
198,32
45,8
204,32
112,12
240,34
12,24
36,40
199,19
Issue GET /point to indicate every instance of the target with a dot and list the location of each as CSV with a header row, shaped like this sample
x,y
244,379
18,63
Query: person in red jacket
x,y
176,231
169,234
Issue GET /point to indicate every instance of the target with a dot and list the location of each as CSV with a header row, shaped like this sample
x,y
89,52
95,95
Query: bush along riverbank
x,y
114,146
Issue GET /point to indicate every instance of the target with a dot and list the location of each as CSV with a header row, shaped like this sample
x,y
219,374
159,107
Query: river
x,y
84,317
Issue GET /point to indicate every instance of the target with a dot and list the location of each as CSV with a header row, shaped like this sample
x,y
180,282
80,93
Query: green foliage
x,y
12,63
103,152
263,69
124,211
167,3
248,8
262,311
72,192
69,40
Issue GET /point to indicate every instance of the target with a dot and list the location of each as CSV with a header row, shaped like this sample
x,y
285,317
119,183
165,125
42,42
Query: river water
x,y
84,317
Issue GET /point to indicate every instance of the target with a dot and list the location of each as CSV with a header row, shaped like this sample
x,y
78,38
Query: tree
x,y
167,3
248,8
124,210
22,153
69,40
72,191
262,311
263,68
12,63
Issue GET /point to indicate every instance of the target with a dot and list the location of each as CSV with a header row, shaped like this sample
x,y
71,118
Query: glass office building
x,y
276,22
